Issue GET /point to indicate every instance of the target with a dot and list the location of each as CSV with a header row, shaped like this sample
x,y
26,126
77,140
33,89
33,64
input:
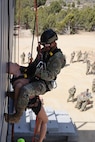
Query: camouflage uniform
x,y
84,104
42,74
82,100
88,67
93,68
85,57
93,86
72,57
23,58
79,55
72,92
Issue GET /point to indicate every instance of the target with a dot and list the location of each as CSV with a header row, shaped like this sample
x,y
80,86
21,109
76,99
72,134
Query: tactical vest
x,y
45,57
29,72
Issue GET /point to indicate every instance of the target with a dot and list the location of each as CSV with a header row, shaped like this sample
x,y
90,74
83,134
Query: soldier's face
x,y
53,44
47,47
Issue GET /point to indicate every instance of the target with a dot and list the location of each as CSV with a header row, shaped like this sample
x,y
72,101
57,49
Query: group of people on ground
x,y
83,99
36,79
23,56
84,57
80,56
90,68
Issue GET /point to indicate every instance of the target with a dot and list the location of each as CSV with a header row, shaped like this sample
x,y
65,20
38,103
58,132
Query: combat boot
x,y
22,103
13,118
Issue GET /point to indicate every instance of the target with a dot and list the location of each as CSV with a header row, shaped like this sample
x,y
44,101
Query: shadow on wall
x,y
86,136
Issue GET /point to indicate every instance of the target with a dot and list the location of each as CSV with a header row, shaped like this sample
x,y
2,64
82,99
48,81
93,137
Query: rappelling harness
x,y
29,72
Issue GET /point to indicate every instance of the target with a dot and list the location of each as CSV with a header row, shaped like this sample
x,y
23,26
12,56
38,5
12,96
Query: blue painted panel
x,y
59,127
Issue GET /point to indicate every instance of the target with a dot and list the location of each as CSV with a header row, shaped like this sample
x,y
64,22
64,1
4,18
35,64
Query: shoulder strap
x,y
51,53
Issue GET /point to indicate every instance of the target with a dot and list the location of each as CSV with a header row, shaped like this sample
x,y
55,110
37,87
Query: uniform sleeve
x,y
53,67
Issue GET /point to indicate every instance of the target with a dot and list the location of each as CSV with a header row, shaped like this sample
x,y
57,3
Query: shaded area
x,y
86,135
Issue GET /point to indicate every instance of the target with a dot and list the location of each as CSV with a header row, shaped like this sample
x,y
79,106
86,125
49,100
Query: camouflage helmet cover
x,y
48,37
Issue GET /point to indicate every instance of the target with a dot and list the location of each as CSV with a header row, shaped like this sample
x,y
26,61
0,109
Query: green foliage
x,y
55,7
78,2
42,16
39,2
63,3
73,4
58,15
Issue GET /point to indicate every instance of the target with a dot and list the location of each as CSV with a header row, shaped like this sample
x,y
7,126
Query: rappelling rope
x,y
38,49
35,29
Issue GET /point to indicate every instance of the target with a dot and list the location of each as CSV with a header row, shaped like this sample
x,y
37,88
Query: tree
x,y
54,16
55,7
73,4
39,2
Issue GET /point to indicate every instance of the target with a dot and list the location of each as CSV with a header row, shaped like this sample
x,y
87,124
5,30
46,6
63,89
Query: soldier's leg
x,y
69,98
35,88
87,71
71,60
78,102
93,88
17,86
42,115
83,107
22,102
73,98
28,91
78,105
13,68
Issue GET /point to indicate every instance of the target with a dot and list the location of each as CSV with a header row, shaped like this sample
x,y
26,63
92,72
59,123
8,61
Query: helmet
x,y
48,36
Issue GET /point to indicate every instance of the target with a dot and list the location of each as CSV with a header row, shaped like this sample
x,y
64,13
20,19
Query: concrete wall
x,y
6,36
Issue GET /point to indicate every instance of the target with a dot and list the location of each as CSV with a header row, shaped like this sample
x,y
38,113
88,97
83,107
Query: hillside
x,y
81,2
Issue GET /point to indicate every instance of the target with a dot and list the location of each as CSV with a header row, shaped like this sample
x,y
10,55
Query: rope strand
x,y
35,29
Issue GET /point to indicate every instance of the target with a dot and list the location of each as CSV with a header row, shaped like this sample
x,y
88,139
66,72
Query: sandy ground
x,y
72,74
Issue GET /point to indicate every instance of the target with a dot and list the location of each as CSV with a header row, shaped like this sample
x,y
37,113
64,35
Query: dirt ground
x,y
72,74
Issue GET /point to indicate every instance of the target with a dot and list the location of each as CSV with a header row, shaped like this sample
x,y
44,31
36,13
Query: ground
x,y
72,74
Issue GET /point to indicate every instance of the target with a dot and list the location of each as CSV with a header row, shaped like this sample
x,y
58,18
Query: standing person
x,y
72,56
93,85
72,92
93,68
23,58
42,73
29,57
79,55
85,57
88,67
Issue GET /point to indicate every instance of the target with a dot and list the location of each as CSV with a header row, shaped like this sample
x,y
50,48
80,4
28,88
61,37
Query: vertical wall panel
x,y
0,69
6,23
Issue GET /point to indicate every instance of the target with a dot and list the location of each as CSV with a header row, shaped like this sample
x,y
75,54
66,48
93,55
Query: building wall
x,y
6,36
